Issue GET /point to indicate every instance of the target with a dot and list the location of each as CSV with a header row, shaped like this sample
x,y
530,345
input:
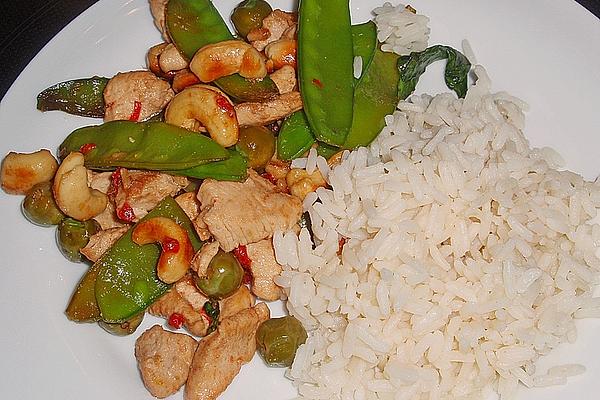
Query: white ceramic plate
x,y
547,53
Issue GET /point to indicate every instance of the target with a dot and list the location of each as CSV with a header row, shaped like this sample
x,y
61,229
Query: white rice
x,y
467,257
400,30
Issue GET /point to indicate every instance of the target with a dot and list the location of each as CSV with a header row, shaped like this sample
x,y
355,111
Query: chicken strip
x,y
135,95
102,241
220,356
285,79
164,359
203,257
263,113
141,191
264,268
241,213
185,299
273,28
158,9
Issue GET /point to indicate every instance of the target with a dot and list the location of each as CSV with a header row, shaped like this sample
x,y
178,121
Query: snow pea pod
x,y
127,282
376,93
232,169
79,97
325,60
193,24
146,145
295,137
129,264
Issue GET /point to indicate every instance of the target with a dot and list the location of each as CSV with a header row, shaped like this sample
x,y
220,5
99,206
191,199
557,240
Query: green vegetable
x,y
79,96
258,143
124,328
325,68
223,277
376,93
212,310
146,145
126,281
413,66
73,235
193,24
277,340
39,206
326,151
83,306
295,137
249,15
235,168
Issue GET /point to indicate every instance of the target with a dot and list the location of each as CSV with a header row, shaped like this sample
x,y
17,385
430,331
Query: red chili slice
x,y
268,176
317,83
137,109
226,106
176,320
126,213
86,148
170,245
115,182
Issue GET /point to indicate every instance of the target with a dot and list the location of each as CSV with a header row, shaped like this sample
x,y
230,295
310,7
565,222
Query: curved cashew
x,y
281,52
177,250
208,106
183,79
21,171
226,58
153,57
71,191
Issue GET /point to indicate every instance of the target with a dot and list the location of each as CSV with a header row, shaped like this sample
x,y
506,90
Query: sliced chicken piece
x,y
108,218
220,356
189,204
202,228
141,191
238,301
135,95
264,268
158,9
259,114
285,79
203,257
102,241
240,213
185,299
274,26
164,359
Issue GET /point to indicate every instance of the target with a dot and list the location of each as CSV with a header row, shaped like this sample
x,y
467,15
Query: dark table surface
x,y
27,25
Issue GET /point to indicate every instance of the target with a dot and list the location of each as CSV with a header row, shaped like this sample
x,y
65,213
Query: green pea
x,y
223,277
73,235
123,328
277,340
258,143
39,206
249,14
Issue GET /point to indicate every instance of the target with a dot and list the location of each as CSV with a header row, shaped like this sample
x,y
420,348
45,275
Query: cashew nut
x,y
171,59
71,191
226,58
207,106
183,79
302,183
177,250
21,171
281,52
153,60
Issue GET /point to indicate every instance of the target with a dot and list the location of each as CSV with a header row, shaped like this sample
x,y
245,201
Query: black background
x,y
27,25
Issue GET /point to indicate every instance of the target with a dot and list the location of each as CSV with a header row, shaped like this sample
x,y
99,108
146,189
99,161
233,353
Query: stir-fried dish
x,y
234,171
